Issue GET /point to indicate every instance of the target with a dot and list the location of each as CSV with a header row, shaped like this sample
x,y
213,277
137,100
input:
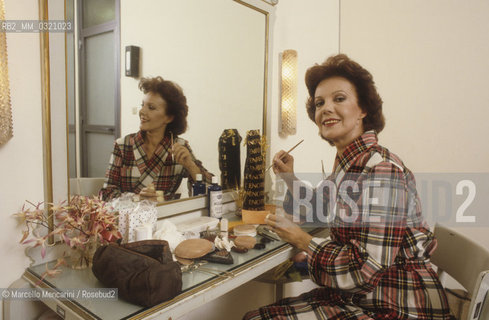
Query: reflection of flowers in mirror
x,y
82,223
239,196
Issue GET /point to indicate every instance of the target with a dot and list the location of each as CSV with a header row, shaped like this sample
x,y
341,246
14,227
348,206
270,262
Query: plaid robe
x,y
130,170
376,268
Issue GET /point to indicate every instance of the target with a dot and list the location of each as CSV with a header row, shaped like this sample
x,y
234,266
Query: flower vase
x,y
81,257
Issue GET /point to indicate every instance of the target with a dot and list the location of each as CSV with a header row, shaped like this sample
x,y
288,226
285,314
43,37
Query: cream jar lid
x,y
245,230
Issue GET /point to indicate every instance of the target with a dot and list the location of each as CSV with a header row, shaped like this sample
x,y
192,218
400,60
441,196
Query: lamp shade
x,y
288,93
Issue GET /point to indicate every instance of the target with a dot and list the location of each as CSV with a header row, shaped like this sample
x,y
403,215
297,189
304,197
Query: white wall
x,y
429,60
21,158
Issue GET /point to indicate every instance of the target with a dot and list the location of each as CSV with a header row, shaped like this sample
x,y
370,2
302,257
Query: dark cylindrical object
x,y
254,173
230,159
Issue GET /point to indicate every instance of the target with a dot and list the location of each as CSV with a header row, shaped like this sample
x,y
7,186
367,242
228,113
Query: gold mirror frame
x,y
179,206
6,126
46,110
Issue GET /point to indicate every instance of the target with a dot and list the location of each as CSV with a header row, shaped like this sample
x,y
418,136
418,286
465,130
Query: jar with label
x,y
214,196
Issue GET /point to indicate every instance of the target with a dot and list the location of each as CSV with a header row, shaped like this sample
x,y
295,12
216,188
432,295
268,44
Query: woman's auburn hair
x,y
342,66
176,102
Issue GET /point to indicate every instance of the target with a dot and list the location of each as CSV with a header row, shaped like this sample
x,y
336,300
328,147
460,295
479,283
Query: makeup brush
x,y
285,154
322,168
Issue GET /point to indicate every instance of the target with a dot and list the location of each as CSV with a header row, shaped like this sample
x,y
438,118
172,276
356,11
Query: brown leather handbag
x,y
143,271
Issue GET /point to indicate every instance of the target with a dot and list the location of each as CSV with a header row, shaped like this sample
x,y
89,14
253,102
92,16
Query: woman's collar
x,y
357,146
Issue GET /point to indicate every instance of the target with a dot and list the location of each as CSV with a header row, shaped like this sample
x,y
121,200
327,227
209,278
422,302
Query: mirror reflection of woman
x,y
150,157
366,269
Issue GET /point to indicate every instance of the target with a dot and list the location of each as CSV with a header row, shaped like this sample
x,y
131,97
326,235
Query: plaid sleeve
x,y
356,257
206,175
112,182
301,203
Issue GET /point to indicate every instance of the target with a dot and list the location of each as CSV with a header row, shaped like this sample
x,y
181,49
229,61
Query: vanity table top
x,y
199,286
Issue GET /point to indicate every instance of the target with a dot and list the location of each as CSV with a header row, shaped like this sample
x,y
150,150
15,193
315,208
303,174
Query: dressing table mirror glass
x,y
222,62
216,50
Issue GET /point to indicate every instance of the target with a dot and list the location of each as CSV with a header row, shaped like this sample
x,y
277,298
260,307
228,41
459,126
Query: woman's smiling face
x,y
338,115
153,113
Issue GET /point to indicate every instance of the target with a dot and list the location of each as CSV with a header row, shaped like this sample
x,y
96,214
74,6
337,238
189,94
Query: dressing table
x,y
200,286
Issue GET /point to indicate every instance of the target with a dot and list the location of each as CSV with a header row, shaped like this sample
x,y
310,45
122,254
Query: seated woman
x,y
375,264
154,155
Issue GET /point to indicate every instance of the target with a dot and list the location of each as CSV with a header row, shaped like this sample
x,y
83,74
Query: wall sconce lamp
x,y
288,93
132,61
5,107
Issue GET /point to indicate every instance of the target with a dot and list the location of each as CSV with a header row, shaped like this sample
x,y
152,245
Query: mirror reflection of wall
x,y
214,49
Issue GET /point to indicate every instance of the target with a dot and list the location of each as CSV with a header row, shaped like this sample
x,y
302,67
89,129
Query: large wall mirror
x,y
216,50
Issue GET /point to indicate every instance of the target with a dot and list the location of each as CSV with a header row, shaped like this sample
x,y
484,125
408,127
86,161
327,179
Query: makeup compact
x,y
193,248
